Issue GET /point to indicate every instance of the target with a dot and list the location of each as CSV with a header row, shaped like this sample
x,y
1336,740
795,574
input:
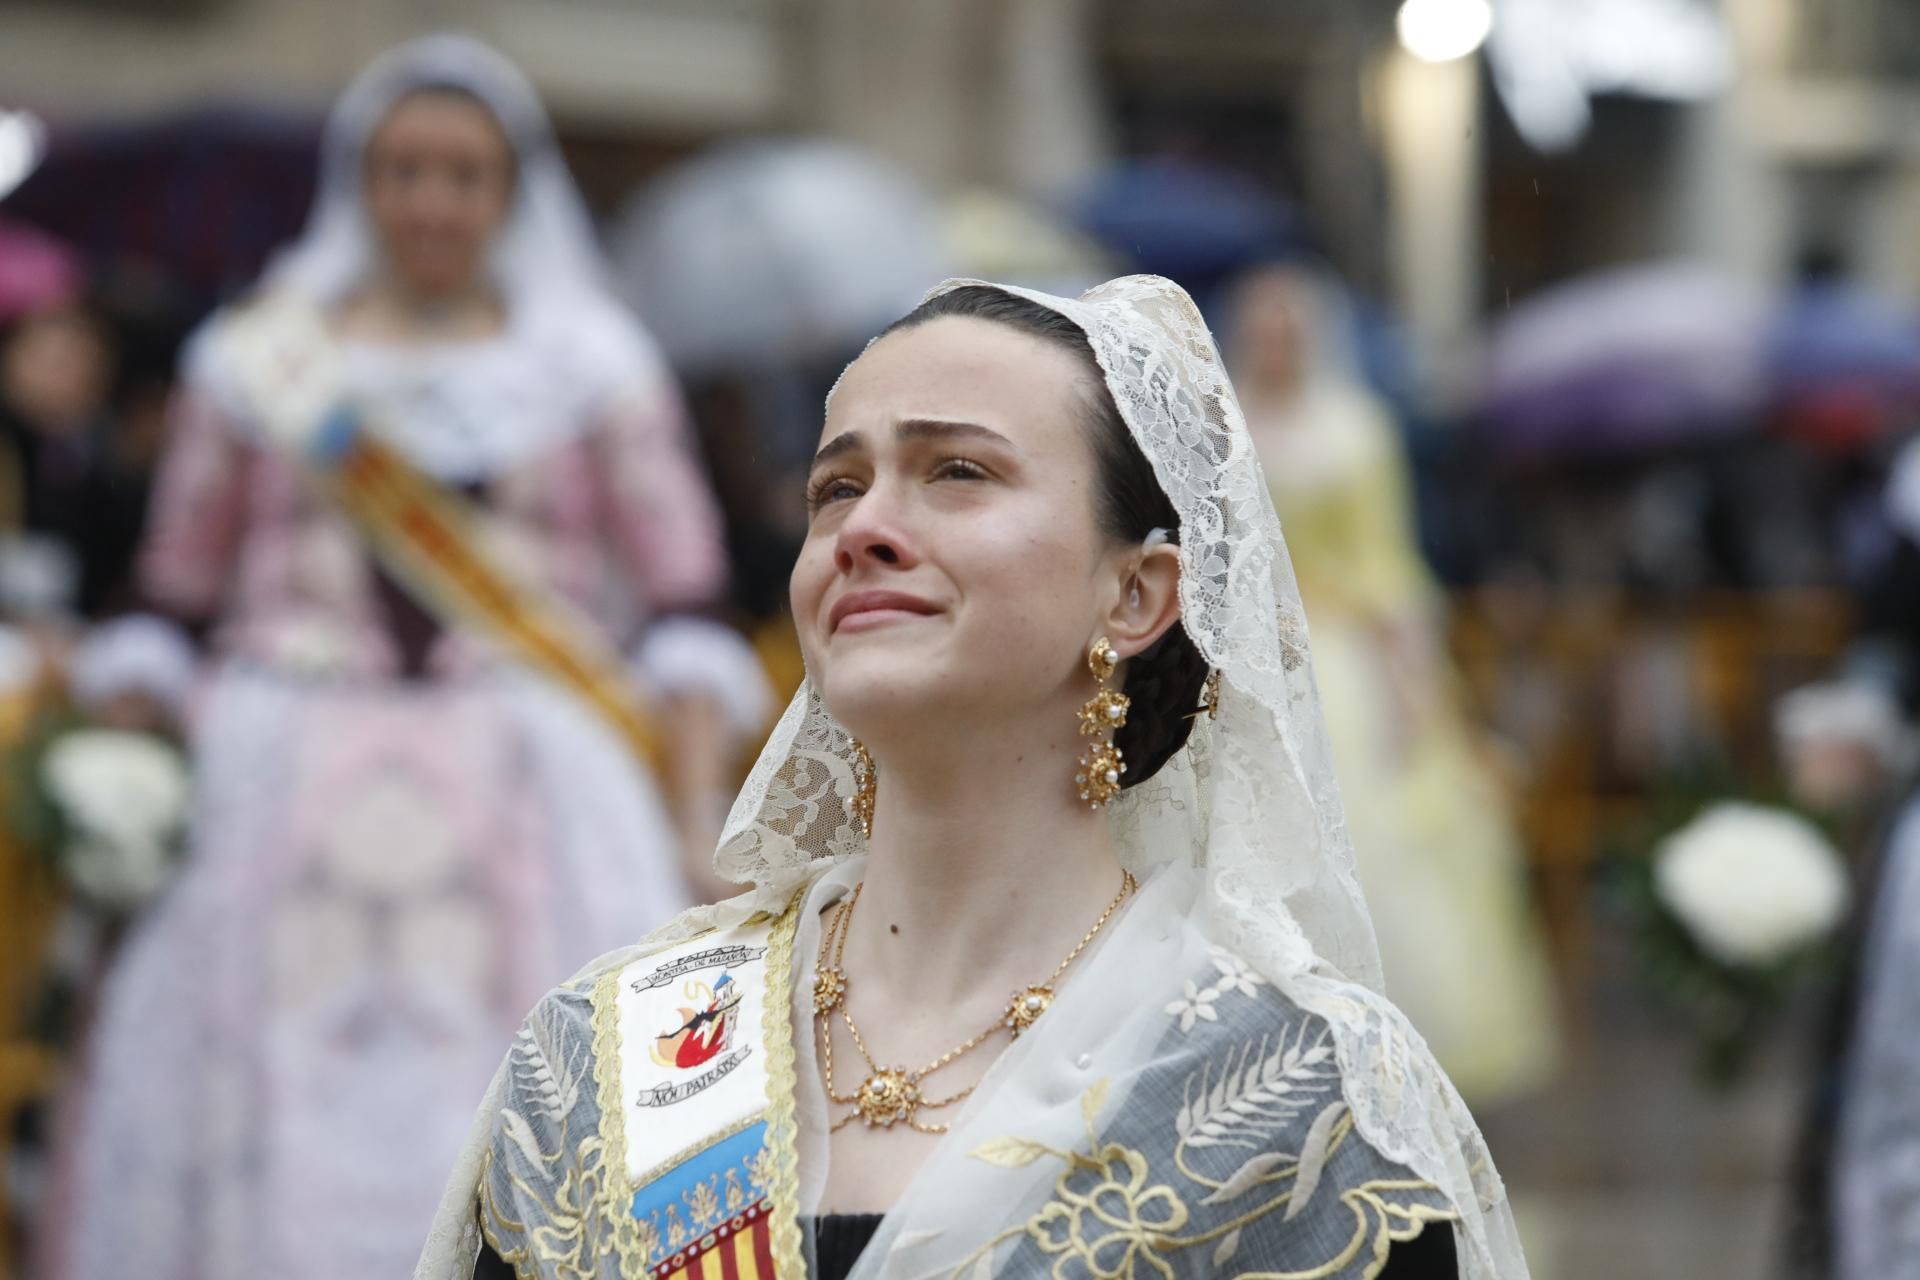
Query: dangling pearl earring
x,y
1101,765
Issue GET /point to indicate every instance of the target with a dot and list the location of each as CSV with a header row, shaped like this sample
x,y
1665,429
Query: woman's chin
x,y
871,695
438,277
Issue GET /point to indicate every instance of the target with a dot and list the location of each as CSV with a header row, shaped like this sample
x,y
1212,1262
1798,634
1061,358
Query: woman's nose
x,y
873,533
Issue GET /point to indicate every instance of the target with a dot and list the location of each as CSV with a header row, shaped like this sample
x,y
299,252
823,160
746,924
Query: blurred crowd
x,y
1662,555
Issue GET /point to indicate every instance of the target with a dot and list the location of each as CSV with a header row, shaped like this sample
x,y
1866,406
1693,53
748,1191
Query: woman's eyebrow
x,y
946,429
845,442
911,429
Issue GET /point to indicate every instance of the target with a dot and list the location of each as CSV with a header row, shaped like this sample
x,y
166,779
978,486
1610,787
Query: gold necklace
x,y
891,1095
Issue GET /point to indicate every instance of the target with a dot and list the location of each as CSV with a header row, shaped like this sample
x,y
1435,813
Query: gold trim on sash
x,y
616,1189
783,1124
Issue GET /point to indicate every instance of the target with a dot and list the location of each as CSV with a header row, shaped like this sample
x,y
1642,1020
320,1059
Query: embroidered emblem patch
x,y
696,1046
691,1024
693,1073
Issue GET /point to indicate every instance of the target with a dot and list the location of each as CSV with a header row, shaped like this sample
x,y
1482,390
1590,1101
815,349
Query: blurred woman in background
x,y
73,491
401,837
1437,852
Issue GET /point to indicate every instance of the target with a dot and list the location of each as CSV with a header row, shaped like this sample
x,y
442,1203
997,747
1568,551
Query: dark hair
x,y
1164,681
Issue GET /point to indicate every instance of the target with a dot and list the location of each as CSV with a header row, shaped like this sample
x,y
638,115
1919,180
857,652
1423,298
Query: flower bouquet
x,y
1735,910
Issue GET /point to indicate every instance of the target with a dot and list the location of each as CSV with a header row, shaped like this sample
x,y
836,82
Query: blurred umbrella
x,y
1628,359
1189,222
36,270
997,237
767,253
206,195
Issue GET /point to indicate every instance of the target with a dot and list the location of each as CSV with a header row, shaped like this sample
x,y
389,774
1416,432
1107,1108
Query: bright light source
x,y
1442,30
22,142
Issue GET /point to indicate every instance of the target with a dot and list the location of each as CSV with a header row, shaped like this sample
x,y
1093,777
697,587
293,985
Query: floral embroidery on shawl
x,y
1235,1156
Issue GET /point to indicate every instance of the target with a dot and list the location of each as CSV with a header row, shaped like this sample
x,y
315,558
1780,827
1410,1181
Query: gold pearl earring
x,y
1104,714
865,784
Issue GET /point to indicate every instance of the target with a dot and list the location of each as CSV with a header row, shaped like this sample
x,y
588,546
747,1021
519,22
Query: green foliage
x,y
32,815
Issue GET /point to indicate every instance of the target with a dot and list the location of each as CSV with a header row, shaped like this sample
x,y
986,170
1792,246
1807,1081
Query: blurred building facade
x,y
1408,172
1030,96
1811,145
1832,117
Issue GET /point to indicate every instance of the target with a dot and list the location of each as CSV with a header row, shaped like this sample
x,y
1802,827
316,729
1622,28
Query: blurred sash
x,y
429,539
284,363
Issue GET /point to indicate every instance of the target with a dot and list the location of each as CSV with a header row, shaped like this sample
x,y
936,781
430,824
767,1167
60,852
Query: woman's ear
x,y
1149,600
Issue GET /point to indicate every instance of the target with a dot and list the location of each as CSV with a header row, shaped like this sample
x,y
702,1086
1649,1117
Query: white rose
x,y
1752,884
124,796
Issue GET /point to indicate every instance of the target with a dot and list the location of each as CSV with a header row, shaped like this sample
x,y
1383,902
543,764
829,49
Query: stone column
x,y
1429,117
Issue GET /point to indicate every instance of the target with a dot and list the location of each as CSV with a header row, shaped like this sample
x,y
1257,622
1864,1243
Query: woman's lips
x,y
869,619
866,610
